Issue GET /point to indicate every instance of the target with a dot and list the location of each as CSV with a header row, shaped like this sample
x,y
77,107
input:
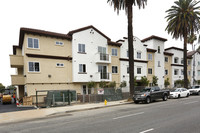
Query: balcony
x,y
102,58
17,79
16,61
103,77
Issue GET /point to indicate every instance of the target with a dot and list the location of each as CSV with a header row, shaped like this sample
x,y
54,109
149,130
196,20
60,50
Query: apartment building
x,y
52,61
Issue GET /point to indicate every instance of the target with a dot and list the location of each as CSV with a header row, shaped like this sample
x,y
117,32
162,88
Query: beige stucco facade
x,y
114,62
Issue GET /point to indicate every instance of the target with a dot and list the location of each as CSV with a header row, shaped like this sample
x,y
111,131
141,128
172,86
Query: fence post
x,y
89,97
36,100
69,97
53,100
63,98
83,98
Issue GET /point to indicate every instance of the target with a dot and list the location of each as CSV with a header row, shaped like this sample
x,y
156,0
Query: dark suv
x,y
149,94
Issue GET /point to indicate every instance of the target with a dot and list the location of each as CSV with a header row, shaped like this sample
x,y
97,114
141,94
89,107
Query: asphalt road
x,y
173,116
12,108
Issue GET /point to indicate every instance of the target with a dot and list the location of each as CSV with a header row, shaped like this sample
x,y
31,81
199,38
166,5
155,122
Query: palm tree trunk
x,y
185,61
130,48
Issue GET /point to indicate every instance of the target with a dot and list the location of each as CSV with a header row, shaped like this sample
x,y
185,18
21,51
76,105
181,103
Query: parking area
x,y
12,107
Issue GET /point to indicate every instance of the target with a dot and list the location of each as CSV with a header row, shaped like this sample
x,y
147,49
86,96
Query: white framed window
x,y
139,70
59,64
81,48
127,69
176,60
189,62
150,57
139,55
158,49
198,72
182,61
175,71
150,71
166,72
114,69
33,43
166,59
159,64
33,66
182,72
127,54
82,68
198,63
102,50
114,52
59,43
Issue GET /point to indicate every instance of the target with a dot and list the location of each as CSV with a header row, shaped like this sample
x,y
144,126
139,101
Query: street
x,y
173,116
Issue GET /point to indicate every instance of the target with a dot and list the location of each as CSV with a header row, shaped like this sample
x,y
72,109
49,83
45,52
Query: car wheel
x,y
136,102
148,100
165,98
188,95
198,93
179,96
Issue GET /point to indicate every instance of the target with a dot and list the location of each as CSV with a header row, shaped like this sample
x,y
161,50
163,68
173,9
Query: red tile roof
x,y
154,37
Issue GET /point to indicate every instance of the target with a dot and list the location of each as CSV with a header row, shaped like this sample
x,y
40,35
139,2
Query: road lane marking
x,y
128,115
191,102
148,130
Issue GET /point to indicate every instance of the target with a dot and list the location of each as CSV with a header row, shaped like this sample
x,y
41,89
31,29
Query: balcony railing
x,y
16,61
103,58
104,76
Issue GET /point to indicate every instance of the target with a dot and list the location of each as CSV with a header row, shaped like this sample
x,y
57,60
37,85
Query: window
x,y
189,62
182,61
84,89
189,73
175,71
176,60
114,69
139,55
114,52
81,48
159,64
139,70
149,70
59,43
198,63
182,72
198,72
60,65
82,68
127,70
150,57
166,59
33,43
127,54
34,67
158,49
102,50
166,72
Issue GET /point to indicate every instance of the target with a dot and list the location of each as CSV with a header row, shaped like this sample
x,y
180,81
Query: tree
x,y
123,84
144,81
2,87
183,20
167,83
103,84
154,80
91,84
112,84
127,5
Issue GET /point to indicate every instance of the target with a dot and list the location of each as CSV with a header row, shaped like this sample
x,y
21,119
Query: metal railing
x,y
104,75
104,57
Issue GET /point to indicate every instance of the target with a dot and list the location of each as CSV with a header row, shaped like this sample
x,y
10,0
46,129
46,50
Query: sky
x,y
62,16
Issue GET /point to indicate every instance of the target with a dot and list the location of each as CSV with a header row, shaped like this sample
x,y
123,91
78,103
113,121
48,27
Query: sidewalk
x,y
45,112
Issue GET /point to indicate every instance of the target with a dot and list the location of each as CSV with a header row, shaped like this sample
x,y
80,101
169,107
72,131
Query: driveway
x,y
12,107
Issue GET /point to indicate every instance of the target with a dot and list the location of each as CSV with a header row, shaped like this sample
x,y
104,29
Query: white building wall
x,y
138,47
159,57
91,40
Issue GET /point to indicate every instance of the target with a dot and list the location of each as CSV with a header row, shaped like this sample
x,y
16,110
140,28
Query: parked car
x,y
148,94
7,99
195,90
179,92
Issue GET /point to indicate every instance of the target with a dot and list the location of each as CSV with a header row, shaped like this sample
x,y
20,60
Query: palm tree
x,y
183,20
127,5
191,39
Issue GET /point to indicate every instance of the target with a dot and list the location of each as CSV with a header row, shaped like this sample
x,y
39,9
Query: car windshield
x,y
195,87
145,90
175,90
